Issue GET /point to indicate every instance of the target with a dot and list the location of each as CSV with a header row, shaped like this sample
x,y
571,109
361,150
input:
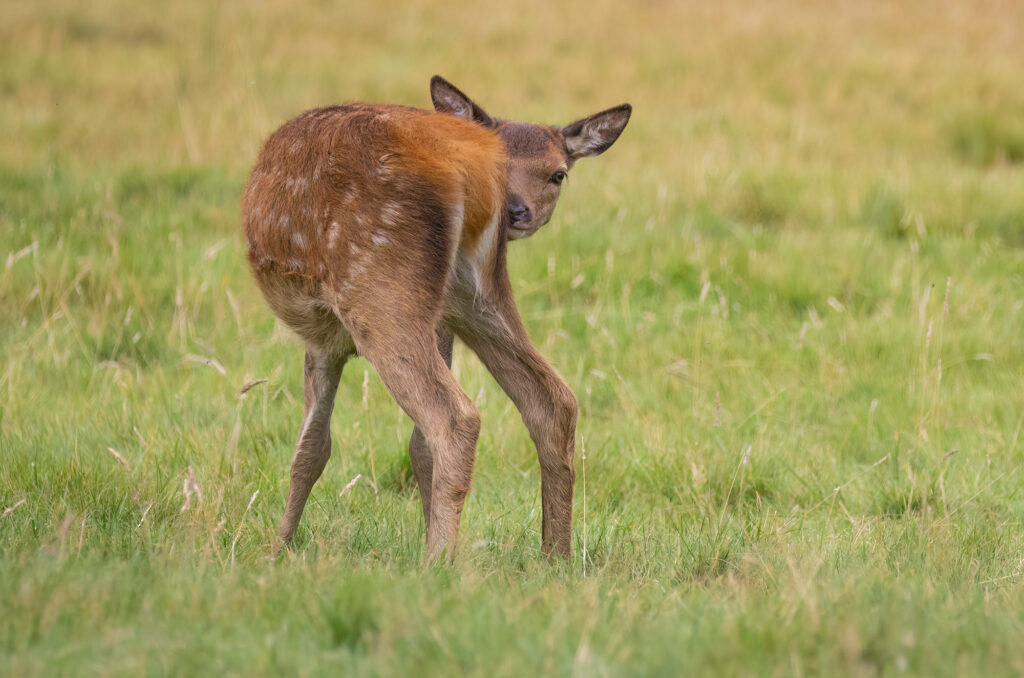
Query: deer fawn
x,y
380,230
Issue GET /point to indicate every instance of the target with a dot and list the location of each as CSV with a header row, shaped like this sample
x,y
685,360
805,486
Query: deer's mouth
x,y
519,232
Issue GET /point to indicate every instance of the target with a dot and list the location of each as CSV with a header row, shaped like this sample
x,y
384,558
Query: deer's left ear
x,y
449,99
595,134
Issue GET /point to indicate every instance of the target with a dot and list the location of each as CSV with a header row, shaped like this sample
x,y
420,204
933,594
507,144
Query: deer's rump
x,y
352,204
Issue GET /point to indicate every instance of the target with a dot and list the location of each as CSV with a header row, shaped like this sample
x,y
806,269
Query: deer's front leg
x,y
420,456
547,405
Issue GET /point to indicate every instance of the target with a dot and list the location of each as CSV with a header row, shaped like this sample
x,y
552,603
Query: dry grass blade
x,y
252,385
10,509
190,489
81,536
583,461
211,362
241,524
350,485
117,455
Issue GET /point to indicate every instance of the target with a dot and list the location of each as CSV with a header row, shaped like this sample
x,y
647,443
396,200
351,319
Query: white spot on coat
x,y
332,234
298,239
390,213
385,169
379,239
355,269
346,193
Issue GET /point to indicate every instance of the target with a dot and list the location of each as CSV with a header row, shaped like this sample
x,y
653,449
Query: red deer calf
x,y
380,231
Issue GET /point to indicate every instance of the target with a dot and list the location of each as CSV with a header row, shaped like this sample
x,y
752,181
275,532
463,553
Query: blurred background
x,y
788,111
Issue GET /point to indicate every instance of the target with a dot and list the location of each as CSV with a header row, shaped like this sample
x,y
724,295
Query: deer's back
x,y
338,181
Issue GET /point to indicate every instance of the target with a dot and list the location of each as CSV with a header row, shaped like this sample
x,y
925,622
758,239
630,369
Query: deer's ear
x,y
449,99
595,134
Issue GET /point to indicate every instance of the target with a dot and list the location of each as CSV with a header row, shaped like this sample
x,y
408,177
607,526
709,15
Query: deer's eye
x,y
558,177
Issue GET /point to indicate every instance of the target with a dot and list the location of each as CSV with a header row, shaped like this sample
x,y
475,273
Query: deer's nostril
x,y
519,212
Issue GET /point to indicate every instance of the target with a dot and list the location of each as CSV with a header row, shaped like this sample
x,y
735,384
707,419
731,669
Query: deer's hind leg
x,y
312,450
404,351
419,453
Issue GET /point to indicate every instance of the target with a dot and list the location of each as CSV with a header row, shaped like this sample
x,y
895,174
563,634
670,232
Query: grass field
x,y
790,300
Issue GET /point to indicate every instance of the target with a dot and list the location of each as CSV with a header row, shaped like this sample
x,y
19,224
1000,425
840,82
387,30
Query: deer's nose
x,y
518,210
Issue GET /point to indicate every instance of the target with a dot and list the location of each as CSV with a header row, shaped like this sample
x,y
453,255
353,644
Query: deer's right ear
x,y
595,134
449,99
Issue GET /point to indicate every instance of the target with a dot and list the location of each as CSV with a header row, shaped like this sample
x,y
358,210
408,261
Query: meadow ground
x,y
789,299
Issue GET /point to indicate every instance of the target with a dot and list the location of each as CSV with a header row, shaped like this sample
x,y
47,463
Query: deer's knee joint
x,y
565,406
456,432
554,432
310,464
556,417
452,490
464,421
560,464
471,422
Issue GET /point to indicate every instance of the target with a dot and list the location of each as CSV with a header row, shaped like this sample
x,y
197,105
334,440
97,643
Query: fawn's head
x,y
539,156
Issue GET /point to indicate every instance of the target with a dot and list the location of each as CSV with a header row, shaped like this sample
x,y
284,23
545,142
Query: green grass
x,y
790,300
